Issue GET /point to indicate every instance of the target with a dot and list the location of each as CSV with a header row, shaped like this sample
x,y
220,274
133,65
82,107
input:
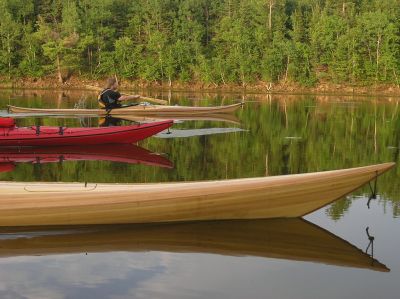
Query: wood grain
x,y
27,204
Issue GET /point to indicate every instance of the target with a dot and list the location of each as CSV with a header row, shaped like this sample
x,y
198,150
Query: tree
x,y
379,38
325,33
9,31
60,40
126,57
207,41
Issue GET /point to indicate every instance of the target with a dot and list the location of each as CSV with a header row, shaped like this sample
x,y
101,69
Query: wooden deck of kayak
x,y
31,204
290,239
148,110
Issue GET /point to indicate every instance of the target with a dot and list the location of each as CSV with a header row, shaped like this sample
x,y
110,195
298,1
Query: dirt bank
x,y
258,87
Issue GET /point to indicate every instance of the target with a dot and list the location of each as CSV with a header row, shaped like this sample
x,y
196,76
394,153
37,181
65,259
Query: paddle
x,y
154,100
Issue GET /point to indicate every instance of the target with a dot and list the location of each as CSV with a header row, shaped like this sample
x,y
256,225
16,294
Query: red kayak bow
x,y
10,135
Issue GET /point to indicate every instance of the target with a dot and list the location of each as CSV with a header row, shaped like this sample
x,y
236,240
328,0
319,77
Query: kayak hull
x,y
147,110
32,204
52,136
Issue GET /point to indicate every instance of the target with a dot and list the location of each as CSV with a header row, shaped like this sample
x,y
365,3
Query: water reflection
x,y
187,133
329,134
289,239
228,118
109,121
332,132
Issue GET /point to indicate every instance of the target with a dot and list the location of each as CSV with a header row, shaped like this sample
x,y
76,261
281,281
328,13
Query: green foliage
x,y
9,32
210,41
126,56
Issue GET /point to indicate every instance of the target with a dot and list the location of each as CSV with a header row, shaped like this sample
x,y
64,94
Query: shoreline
x,y
81,83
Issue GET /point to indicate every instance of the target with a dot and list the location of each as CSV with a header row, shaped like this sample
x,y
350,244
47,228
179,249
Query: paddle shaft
x,y
154,100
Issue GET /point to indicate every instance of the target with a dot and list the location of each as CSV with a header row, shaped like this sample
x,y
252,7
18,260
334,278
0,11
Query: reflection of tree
x,y
338,208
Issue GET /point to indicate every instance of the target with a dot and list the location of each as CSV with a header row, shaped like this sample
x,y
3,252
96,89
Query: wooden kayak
x,y
290,239
123,153
32,204
159,110
54,136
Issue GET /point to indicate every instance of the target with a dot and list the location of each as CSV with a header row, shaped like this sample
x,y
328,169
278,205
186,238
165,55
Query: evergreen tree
x,y
208,41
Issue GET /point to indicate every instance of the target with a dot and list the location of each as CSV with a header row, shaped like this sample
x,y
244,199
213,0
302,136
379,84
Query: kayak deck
x,y
30,204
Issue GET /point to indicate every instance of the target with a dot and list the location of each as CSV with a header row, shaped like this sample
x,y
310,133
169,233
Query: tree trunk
x,y
271,4
90,58
397,80
287,67
59,74
353,60
207,24
9,55
378,43
222,77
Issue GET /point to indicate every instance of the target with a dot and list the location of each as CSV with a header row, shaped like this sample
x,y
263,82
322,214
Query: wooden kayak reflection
x,y
124,153
30,204
291,239
228,118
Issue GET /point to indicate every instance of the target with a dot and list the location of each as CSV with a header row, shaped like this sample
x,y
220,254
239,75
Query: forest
x,y
203,41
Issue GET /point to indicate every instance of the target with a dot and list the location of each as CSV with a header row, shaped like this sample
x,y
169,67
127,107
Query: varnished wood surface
x,y
29,204
290,239
135,110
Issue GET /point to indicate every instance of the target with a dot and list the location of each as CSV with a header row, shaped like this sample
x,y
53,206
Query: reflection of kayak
x,y
184,133
291,239
27,204
135,110
51,136
229,118
6,166
125,153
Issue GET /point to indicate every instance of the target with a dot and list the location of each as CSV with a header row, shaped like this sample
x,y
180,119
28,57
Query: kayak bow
x,y
30,204
52,136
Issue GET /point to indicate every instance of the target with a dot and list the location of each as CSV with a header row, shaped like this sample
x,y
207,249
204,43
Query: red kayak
x,y
125,153
10,135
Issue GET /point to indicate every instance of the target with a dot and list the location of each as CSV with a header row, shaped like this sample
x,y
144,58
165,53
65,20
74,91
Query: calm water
x,y
323,256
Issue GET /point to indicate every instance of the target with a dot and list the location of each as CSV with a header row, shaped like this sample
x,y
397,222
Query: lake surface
x,y
326,255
